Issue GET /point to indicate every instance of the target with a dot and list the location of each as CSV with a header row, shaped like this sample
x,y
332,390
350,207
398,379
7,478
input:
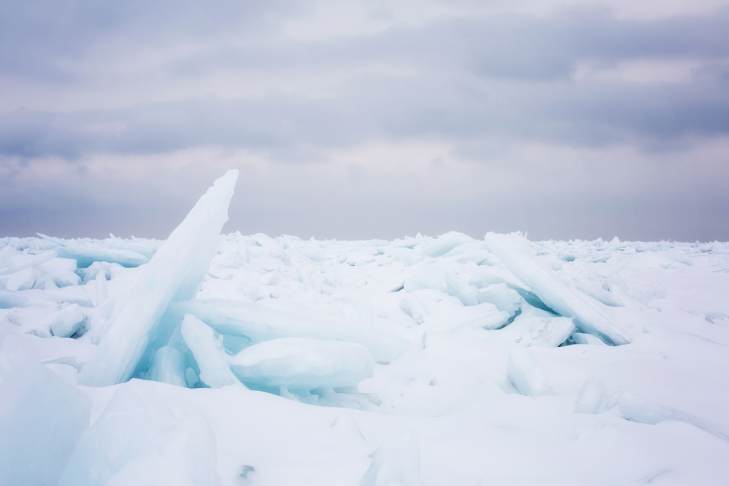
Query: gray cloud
x,y
44,40
497,45
524,139
451,93
593,114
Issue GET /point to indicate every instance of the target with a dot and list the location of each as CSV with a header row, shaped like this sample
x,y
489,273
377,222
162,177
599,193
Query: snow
x,y
421,361
41,419
525,374
174,273
141,440
68,322
303,364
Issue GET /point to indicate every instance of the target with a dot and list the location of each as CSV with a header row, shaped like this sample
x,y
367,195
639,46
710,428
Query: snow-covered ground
x,y
434,361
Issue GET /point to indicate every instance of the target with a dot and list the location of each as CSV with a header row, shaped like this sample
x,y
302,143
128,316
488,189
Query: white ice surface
x,y
516,253
41,419
523,401
260,322
303,364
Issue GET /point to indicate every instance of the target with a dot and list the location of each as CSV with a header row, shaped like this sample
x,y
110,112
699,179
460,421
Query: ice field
x,y
226,359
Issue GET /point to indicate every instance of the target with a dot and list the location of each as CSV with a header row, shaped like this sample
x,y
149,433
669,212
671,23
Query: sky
x,y
367,119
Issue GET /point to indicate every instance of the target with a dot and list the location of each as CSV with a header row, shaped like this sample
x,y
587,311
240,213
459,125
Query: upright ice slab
x,y
515,253
173,273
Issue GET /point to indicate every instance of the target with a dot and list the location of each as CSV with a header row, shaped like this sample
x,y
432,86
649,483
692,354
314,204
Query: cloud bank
x,y
367,120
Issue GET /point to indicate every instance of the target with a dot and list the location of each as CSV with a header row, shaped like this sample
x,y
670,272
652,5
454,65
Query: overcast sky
x,y
367,119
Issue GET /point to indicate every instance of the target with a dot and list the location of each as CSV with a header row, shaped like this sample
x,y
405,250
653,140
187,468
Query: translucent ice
x,y
168,366
582,338
41,419
259,323
207,349
173,273
502,296
515,252
302,363
444,243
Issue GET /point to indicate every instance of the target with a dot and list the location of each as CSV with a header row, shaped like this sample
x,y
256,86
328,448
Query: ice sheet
x,y
303,364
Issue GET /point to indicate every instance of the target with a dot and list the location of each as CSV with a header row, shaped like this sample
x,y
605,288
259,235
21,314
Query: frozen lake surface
x,y
252,360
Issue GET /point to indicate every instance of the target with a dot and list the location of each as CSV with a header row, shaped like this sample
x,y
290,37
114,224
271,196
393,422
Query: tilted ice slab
x,y
302,363
515,252
173,273
86,254
260,323
207,349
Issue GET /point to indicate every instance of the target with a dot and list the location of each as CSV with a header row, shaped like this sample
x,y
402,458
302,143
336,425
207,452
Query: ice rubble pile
x,y
157,331
154,328
157,327
417,325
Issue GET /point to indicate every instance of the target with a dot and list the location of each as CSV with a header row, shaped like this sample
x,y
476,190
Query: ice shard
x,y
207,349
260,323
515,253
174,273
